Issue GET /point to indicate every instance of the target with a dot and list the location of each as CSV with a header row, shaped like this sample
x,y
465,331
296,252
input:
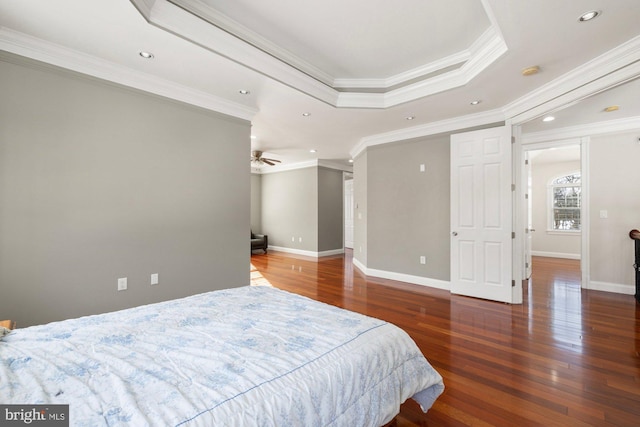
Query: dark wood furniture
x,y
259,241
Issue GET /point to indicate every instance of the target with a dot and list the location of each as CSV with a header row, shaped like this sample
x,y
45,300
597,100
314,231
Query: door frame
x,y
520,209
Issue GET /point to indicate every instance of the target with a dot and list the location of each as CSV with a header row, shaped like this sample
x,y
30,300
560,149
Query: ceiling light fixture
x,y
350,160
611,108
588,16
529,71
244,92
548,119
146,55
475,102
306,114
410,117
253,137
313,150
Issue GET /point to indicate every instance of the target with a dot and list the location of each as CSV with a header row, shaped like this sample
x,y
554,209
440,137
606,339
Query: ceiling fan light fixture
x,y
258,160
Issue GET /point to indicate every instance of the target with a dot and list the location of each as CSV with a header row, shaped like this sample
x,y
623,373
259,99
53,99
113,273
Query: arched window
x,y
565,201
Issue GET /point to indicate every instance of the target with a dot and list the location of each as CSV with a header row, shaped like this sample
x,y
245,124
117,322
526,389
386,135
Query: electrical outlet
x,y
154,279
423,259
122,284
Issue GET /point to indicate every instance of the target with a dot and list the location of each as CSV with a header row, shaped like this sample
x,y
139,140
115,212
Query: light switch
x,y
422,167
154,279
122,284
604,214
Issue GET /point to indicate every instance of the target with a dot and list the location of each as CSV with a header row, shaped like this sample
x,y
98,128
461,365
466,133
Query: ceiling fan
x,y
257,159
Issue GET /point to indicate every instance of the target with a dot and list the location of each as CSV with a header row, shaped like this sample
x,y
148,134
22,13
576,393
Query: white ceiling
x,y
359,67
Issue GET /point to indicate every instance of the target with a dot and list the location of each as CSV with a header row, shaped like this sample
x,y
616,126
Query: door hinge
x,y
513,283
513,139
513,187
526,265
526,196
513,234
526,162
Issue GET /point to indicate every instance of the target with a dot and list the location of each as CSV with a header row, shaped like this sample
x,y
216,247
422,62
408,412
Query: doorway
x,y
555,196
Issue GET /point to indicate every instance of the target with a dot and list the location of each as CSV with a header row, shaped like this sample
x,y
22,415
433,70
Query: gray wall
x,y
256,203
99,182
613,186
290,208
408,209
330,209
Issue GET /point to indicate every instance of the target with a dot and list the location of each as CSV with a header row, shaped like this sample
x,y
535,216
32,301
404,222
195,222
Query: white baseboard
x,y
402,277
307,253
618,288
360,266
555,254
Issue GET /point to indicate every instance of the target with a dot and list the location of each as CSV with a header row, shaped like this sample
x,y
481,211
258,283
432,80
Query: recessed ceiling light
x,y
475,102
588,16
313,151
548,119
244,92
306,114
253,137
529,71
350,160
410,117
611,108
146,55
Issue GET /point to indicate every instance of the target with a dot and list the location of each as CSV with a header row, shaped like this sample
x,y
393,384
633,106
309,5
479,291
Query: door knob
x,y
455,233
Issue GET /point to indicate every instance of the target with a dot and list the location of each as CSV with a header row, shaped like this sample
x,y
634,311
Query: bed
x,y
249,356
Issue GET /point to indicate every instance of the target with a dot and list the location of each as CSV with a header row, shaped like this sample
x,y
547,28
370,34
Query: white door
x,y
348,214
481,214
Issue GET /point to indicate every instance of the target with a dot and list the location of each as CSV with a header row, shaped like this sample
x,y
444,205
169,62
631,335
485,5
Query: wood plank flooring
x,y
565,357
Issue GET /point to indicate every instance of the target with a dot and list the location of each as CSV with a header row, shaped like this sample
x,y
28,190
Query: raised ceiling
x,y
360,68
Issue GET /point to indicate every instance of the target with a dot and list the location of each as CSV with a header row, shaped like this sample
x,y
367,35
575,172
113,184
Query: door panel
x,y
481,208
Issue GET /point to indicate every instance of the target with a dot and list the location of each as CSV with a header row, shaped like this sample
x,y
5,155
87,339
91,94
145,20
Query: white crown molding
x,y
428,129
590,129
224,36
176,20
449,61
609,69
233,27
144,7
302,165
44,51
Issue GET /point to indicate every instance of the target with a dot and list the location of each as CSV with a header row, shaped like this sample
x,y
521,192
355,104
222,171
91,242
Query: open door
x,y
529,220
481,214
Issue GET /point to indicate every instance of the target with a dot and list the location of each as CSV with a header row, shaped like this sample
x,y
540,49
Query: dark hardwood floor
x,y
566,357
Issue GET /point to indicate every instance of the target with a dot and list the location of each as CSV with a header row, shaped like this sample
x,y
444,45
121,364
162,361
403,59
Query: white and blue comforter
x,y
251,356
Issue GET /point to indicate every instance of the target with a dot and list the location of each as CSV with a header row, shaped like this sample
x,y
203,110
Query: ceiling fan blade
x,y
272,160
268,161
